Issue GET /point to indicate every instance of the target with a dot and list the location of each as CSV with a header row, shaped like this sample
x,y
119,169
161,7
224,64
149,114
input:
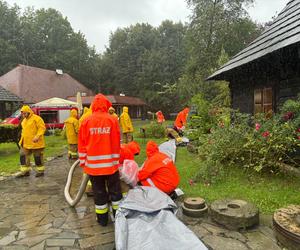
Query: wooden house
x,y
34,84
137,107
267,72
8,103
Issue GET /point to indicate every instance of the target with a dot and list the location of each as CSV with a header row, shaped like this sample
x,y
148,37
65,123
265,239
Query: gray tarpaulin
x,y
169,148
145,220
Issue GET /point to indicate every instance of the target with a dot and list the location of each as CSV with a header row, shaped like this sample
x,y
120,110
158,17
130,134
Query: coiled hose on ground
x,y
72,202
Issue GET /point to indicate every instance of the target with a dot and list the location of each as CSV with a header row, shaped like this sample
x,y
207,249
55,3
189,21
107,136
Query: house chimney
x,y
59,72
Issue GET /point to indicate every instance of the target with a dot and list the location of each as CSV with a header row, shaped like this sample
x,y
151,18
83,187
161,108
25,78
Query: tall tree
x,y
213,23
216,27
147,60
9,34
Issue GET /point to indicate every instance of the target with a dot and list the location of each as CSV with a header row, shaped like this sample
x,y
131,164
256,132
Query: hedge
x,y
9,133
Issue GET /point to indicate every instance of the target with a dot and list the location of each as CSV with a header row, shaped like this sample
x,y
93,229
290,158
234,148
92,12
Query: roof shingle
x,y
6,95
284,31
35,84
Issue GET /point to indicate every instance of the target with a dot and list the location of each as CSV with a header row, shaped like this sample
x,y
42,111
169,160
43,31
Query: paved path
x,y
34,215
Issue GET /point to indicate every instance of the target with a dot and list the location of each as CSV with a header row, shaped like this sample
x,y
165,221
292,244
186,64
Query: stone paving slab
x,y
34,215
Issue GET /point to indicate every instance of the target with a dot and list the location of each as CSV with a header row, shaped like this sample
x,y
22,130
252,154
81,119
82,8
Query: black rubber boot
x,y
39,174
102,219
114,213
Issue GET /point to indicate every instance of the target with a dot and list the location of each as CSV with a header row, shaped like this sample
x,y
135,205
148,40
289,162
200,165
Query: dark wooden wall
x,y
280,70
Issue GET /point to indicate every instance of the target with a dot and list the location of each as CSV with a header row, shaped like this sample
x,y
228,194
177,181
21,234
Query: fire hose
x,y
168,148
85,178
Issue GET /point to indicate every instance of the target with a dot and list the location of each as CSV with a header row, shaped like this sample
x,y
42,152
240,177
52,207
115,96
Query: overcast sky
x,y
97,18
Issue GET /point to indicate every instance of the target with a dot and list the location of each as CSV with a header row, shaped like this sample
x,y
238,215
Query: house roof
x,y
5,95
35,84
125,100
283,32
114,99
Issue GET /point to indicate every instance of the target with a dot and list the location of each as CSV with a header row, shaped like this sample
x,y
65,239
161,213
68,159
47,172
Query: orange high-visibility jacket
x,y
160,117
158,170
128,151
181,118
99,140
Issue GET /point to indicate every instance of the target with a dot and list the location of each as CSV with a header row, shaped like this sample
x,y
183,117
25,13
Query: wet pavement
x,y
34,215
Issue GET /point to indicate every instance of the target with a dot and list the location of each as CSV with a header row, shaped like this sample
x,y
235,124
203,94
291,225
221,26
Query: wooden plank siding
x,y
270,61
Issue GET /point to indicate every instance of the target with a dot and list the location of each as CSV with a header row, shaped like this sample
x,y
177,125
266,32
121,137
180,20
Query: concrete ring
x,y
194,203
196,213
234,214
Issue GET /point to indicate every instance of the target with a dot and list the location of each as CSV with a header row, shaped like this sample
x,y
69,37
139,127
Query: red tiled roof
x,y
35,84
114,99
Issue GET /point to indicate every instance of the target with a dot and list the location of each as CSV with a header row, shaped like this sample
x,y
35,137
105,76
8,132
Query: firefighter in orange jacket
x,y
181,119
128,151
159,170
160,117
99,152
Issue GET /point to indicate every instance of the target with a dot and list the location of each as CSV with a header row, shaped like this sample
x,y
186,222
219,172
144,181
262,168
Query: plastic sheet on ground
x,y
145,220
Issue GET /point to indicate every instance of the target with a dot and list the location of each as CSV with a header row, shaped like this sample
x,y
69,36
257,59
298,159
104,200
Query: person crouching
x,y
159,170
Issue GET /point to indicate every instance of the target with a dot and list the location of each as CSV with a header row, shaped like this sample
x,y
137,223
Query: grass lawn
x,y
268,192
9,153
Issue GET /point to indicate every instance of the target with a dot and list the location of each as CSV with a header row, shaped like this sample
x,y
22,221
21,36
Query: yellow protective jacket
x,y
86,113
71,126
125,121
112,112
32,127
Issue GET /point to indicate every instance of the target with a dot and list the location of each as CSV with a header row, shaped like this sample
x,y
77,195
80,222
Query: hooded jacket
x,y
128,151
99,140
125,121
86,113
181,118
160,117
158,170
32,127
72,125
112,112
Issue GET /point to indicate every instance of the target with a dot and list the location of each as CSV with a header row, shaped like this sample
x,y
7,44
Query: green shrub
x,y
57,132
9,133
152,130
258,143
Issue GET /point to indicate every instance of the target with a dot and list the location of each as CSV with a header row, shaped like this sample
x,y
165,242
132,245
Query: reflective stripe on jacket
x,y
158,170
99,140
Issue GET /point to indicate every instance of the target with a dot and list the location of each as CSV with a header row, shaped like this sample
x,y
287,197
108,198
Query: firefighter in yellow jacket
x,y
126,126
32,142
71,127
86,113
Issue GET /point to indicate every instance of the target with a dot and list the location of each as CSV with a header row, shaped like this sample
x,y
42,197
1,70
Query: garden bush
x,y
152,130
258,143
9,133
